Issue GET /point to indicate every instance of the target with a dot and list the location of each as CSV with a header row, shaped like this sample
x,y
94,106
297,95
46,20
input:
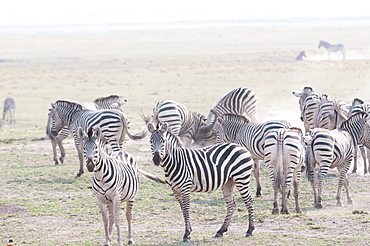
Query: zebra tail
x,y
279,167
309,161
150,176
146,119
137,136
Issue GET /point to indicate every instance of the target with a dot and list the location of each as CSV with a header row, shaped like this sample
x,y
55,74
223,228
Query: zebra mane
x,y
90,132
348,124
240,119
172,139
69,104
108,99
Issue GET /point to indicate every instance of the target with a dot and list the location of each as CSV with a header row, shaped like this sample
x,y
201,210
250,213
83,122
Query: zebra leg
x,y
355,152
364,154
129,205
227,190
62,152
296,178
55,155
115,218
81,159
366,165
248,200
103,208
318,196
256,173
284,197
275,209
184,200
346,185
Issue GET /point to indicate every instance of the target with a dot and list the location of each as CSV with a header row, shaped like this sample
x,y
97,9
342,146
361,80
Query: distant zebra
x,y
284,158
300,56
114,181
333,48
110,102
9,110
238,129
182,123
309,104
332,149
202,170
113,123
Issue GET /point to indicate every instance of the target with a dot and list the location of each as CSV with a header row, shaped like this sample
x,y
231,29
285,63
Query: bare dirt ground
x,y
43,204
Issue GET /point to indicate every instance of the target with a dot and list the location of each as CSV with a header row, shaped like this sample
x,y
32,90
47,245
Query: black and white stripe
x,y
202,170
284,158
113,124
238,129
115,180
335,148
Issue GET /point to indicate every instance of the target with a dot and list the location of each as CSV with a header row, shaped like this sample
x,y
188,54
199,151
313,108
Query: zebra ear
x,y
96,132
151,128
53,105
164,127
81,133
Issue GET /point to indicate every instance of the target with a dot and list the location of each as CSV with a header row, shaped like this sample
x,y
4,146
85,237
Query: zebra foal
x,y
114,181
284,158
330,149
203,170
238,129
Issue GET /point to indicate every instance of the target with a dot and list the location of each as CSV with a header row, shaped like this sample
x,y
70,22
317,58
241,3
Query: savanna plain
x,y
194,64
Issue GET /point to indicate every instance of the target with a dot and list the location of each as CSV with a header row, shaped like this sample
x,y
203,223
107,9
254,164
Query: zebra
x,y
309,104
238,129
301,55
182,123
332,149
110,102
113,123
284,157
360,106
332,114
203,170
114,181
9,110
333,48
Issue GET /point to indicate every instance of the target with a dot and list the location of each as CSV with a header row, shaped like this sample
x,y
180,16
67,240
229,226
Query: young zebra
x,y
182,123
110,102
284,158
114,181
113,123
309,104
238,129
202,170
9,110
332,149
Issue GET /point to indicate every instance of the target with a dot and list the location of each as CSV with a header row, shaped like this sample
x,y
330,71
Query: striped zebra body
x,y
202,170
309,104
334,149
113,124
238,129
101,103
114,181
284,158
9,110
182,123
360,106
332,114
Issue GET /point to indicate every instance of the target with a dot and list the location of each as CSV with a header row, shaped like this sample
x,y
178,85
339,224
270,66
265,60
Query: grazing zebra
x,y
333,48
309,104
332,149
202,170
284,158
113,123
300,56
114,181
110,102
182,123
238,129
9,110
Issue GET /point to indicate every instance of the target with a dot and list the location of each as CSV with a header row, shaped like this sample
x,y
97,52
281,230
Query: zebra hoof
x,y
275,211
318,206
186,240
218,235
248,234
130,242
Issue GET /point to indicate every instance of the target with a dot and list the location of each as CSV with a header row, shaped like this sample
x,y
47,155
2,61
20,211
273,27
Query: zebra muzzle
x,y
156,158
90,165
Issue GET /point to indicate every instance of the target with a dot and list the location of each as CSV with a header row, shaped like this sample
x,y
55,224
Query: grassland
x,y
43,204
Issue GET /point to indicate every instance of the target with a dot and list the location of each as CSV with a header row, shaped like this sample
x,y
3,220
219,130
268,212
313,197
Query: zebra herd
x,y
202,154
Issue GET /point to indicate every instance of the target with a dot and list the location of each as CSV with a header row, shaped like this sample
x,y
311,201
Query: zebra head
x,y
91,144
56,123
157,141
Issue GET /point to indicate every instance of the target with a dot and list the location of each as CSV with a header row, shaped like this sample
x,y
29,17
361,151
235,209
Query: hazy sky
x,y
46,12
